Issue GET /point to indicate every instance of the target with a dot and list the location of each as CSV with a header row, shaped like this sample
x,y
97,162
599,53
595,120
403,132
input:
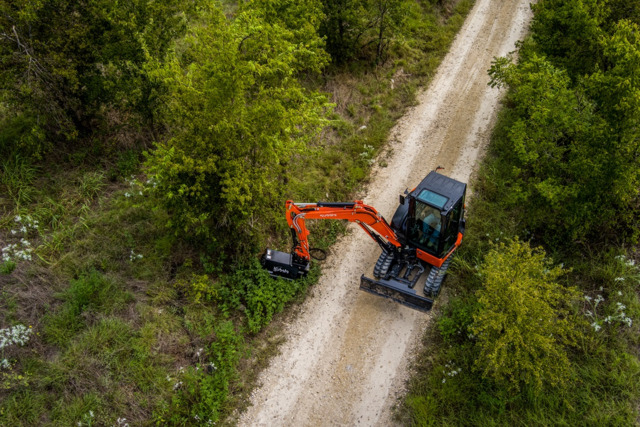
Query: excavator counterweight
x,y
426,229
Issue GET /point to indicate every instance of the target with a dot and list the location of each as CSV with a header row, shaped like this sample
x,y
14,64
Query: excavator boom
x,y
367,217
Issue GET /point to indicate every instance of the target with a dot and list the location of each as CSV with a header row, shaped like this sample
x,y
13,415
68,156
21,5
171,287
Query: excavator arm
x,y
367,217
296,264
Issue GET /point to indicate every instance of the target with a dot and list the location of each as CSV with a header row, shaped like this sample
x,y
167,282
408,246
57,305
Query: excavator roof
x,y
438,188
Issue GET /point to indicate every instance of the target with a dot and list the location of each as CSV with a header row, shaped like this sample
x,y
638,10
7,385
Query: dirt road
x,y
346,356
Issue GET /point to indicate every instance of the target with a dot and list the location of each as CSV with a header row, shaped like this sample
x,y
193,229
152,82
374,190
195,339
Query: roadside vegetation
x,y
146,151
541,325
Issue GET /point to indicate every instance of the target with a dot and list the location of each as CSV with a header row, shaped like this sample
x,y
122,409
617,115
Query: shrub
x,y
199,289
263,295
523,326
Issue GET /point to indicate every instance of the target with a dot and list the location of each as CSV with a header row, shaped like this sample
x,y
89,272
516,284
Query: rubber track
x,y
382,265
435,278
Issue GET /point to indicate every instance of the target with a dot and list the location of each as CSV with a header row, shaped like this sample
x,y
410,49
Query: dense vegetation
x,y
146,149
549,336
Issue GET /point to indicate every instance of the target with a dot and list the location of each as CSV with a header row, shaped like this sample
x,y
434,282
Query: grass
x,y
132,322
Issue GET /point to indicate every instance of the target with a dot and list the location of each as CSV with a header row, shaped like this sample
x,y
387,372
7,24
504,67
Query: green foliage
x,y
571,143
199,288
65,64
301,20
454,325
7,267
261,295
202,393
90,185
570,32
523,325
237,114
17,178
91,292
265,296
355,29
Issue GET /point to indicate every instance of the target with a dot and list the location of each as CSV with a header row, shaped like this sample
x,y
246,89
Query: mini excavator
x,y
426,229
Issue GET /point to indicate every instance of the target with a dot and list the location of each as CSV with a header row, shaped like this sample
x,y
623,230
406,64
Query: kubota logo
x,y
327,215
280,270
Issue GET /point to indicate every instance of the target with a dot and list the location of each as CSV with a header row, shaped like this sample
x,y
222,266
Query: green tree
x,y
65,64
576,145
361,29
236,113
523,326
385,18
342,27
569,32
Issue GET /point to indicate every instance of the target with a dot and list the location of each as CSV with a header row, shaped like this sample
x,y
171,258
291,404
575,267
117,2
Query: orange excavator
x,y
425,230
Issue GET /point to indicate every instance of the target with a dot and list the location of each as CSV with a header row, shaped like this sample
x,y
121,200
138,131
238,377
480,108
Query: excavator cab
x,y
429,222
432,215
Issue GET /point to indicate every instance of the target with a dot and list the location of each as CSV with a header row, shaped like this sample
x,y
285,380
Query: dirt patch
x,y
347,353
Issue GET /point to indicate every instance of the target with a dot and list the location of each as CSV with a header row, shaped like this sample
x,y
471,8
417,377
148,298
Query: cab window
x,y
426,231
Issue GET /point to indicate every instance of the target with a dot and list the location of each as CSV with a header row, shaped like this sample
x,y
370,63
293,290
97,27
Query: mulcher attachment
x,y
282,264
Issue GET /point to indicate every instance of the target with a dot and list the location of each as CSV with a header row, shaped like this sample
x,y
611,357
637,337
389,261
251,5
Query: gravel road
x,y
346,354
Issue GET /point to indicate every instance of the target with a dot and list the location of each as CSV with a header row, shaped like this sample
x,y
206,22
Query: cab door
x,y
452,225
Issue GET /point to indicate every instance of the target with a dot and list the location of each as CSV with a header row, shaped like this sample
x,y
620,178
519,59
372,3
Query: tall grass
x,y
17,178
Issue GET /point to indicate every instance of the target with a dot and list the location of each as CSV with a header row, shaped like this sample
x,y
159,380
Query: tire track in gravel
x,y
347,353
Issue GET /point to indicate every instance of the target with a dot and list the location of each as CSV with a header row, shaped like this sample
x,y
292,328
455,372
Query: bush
x,y
523,325
262,295
199,289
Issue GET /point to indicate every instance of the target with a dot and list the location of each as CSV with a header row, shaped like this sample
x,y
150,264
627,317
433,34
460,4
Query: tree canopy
x,y
236,113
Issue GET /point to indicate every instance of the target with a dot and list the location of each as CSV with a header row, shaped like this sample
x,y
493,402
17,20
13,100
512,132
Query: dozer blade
x,y
396,290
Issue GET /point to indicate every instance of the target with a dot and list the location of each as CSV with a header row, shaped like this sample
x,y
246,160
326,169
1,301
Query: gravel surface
x,y
346,357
